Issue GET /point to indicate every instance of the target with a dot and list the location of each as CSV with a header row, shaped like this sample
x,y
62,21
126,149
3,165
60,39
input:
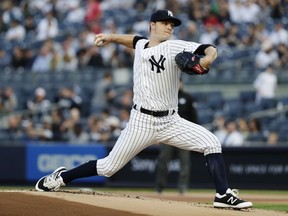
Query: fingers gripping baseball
x,y
101,40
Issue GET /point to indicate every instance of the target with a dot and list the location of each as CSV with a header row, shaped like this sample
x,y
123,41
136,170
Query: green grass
x,y
280,192
276,207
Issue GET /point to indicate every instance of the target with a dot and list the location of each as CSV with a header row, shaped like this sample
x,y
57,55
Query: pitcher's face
x,y
162,30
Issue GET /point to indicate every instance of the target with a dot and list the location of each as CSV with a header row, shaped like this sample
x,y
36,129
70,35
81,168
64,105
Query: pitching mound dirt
x,y
71,203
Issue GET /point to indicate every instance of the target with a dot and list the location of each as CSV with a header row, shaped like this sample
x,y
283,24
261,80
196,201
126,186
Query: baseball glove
x,y
189,63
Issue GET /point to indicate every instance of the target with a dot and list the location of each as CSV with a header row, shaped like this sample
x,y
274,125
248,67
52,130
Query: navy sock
x,y
216,166
85,170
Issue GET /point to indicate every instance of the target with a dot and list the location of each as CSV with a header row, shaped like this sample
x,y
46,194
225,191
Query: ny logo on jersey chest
x,y
157,64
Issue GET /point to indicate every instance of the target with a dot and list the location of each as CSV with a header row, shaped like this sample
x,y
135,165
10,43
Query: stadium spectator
x,y
279,35
231,37
254,125
67,99
75,13
16,32
43,59
116,4
252,12
28,58
243,127
93,15
77,134
211,19
86,38
70,119
47,27
64,6
282,51
68,61
218,124
95,57
14,128
273,138
41,131
190,32
124,115
38,105
57,120
93,11
9,99
265,84
196,10
98,130
123,99
221,8
82,58
17,60
232,137
3,25
30,26
267,55
113,124
11,12
39,6
104,93
209,35
5,59
236,11
277,10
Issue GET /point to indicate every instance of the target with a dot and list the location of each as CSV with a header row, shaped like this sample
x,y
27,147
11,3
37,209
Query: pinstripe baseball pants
x,y
145,130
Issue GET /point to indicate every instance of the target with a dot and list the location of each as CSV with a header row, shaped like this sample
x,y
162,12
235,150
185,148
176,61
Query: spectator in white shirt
x,y
252,12
209,35
266,56
279,35
265,84
10,12
47,27
16,32
232,137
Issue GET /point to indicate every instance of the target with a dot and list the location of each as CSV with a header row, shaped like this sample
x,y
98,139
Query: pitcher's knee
x,y
108,173
106,168
213,147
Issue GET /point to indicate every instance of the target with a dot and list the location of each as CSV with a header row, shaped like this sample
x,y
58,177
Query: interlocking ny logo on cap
x,y
170,13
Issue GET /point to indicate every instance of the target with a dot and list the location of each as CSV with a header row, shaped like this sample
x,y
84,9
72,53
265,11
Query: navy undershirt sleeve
x,y
136,39
201,49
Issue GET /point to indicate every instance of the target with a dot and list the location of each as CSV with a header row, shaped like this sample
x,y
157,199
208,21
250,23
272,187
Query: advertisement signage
x,y
44,159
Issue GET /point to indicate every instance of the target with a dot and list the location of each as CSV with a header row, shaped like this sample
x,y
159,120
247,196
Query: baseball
x,y
98,42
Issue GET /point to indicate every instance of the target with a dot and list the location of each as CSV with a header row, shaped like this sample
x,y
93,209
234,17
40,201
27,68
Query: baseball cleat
x,y
230,200
51,182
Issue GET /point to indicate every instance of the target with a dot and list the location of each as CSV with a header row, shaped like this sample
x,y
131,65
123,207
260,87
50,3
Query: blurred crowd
x,y
54,36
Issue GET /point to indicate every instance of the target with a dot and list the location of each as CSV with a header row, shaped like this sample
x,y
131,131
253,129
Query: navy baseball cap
x,y
162,15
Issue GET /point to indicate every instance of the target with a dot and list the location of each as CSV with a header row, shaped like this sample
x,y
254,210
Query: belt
x,y
154,113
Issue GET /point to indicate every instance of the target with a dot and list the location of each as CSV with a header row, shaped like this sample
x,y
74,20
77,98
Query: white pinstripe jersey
x,y
156,75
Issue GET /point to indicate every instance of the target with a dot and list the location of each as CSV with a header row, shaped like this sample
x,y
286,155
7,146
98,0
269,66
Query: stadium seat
x,y
268,103
215,100
255,137
283,135
233,108
247,96
250,108
205,117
